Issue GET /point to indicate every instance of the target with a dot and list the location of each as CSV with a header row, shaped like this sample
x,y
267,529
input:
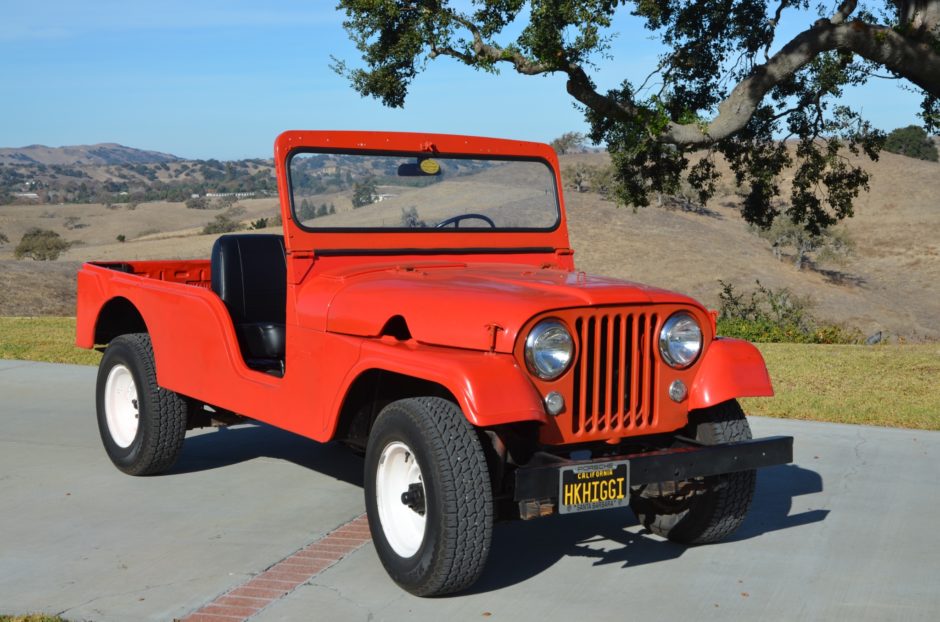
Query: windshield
x,y
421,191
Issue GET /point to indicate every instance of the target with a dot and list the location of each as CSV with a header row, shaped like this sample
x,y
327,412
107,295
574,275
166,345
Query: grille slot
x,y
615,372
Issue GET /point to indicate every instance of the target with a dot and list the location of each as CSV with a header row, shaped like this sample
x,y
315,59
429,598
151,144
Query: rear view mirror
x,y
424,167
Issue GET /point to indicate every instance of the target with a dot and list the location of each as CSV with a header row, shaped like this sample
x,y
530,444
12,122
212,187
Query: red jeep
x,y
423,306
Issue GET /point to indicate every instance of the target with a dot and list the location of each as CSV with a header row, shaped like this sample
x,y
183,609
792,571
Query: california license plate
x,y
594,487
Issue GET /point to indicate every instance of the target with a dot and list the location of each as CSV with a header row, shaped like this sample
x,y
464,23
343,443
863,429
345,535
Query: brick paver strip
x,y
284,576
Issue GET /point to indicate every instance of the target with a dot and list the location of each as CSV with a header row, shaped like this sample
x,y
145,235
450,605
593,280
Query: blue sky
x,y
214,79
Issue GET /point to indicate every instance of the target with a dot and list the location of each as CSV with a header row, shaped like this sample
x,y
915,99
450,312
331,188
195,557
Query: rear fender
x,y
731,368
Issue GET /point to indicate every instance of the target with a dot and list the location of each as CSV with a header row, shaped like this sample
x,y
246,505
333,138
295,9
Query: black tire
x,y
457,499
706,509
161,415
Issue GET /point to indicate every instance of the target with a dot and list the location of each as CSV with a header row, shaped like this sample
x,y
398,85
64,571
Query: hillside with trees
x,y
122,175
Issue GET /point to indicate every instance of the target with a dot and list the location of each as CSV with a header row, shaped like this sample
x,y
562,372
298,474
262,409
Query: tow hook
x,y
414,498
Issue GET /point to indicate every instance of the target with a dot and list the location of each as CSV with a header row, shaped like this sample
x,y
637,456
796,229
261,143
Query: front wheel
x,y
428,496
704,509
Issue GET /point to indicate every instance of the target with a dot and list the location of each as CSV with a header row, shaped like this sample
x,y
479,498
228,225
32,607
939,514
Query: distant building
x,y
237,195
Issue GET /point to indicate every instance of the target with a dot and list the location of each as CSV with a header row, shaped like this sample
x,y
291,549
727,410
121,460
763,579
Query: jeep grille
x,y
615,371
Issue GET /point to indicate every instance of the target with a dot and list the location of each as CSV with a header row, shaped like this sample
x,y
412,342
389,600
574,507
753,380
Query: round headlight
x,y
680,340
549,349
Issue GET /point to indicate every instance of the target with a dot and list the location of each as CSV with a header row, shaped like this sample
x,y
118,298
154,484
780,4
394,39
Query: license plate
x,y
594,487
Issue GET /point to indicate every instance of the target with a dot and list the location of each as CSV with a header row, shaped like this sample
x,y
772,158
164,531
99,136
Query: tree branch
x,y
914,60
845,9
490,53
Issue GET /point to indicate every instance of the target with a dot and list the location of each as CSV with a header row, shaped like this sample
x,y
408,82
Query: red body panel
x,y
467,310
731,368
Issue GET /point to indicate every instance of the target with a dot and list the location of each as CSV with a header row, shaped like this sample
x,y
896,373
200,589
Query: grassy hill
x,y
111,173
891,283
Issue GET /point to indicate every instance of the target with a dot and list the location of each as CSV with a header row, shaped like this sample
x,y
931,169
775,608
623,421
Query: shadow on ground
x,y
521,551
227,446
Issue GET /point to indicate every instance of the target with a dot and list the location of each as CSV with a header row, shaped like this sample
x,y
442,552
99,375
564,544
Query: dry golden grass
x,y
891,284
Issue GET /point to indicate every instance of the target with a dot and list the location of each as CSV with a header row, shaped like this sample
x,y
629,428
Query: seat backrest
x,y
249,273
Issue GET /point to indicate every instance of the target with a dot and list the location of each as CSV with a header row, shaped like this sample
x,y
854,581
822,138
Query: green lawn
x,y
887,385
50,339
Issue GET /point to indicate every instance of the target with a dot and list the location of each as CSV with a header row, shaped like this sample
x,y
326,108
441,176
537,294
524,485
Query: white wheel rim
x,y
397,470
121,407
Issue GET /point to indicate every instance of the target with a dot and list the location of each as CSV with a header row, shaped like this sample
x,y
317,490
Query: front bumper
x,y
539,482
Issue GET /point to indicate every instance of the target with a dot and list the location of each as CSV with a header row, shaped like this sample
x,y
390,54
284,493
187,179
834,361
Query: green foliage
x,y
225,222
576,177
651,128
770,316
121,238
261,223
197,203
827,245
73,222
911,141
40,245
227,201
410,218
364,193
569,142
307,211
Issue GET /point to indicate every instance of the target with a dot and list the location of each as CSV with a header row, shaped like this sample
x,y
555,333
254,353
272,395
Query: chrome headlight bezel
x,y
549,335
680,340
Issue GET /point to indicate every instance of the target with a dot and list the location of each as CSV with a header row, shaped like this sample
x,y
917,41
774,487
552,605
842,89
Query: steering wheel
x,y
456,220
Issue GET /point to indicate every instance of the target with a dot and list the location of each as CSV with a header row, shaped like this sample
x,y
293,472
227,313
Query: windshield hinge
x,y
493,330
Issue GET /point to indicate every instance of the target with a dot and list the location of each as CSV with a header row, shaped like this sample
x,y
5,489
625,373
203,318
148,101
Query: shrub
x,y
227,201
40,245
121,238
569,142
261,223
73,222
827,245
911,141
364,193
3,238
197,203
411,220
775,316
223,223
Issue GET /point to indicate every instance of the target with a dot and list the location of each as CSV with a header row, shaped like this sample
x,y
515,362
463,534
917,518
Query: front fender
x,y
731,368
490,387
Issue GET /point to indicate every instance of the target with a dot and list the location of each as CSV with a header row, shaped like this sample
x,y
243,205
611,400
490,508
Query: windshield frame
x,y
425,230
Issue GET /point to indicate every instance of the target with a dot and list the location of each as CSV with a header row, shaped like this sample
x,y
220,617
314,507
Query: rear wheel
x,y
142,425
428,496
705,509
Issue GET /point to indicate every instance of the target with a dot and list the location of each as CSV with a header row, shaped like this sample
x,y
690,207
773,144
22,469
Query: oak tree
x,y
725,85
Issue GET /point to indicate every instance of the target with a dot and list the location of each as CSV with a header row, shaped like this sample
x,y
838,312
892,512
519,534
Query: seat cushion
x,y
262,340
249,273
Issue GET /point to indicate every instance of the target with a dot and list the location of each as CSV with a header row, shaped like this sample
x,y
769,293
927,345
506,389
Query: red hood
x,y
455,304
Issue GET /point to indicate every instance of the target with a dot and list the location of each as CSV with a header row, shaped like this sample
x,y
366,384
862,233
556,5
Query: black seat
x,y
249,273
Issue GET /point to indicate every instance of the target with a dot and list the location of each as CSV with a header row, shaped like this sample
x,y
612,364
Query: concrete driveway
x,y
848,532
